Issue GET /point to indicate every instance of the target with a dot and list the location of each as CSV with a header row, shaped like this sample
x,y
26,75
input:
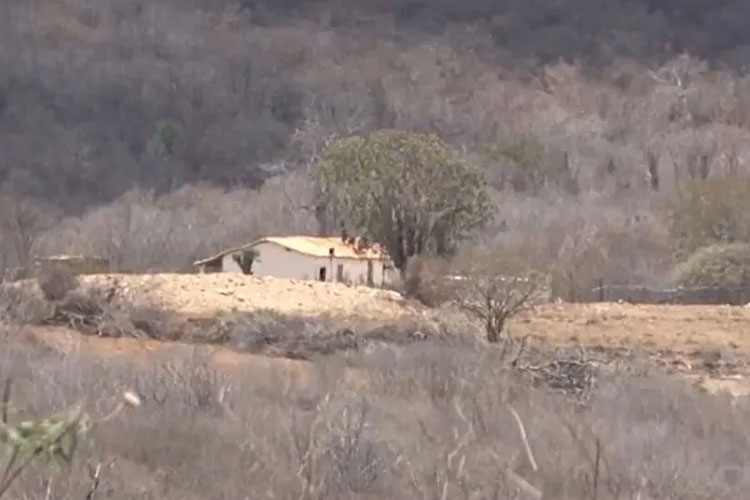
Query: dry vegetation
x,y
614,138
159,133
414,405
434,421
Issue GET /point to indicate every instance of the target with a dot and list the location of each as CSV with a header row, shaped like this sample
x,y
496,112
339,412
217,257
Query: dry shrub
x,y
434,422
19,305
726,266
89,310
56,282
577,241
426,280
268,332
274,334
495,299
705,212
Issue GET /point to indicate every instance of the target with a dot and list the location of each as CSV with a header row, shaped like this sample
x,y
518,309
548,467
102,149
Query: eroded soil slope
x,y
205,295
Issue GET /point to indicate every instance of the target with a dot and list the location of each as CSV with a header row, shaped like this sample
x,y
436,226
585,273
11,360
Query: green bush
x,y
726,265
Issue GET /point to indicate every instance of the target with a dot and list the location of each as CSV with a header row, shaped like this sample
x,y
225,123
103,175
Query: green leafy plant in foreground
x,y
47,440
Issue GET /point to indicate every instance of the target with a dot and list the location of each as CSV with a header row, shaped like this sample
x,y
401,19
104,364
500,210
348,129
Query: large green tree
x,y
408,190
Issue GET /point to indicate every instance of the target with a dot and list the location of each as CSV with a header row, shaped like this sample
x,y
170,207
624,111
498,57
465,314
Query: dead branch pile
x,y
574,375
574,379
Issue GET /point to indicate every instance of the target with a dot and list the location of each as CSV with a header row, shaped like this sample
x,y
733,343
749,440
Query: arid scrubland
x,y
613,136
435,421
155,133
259,403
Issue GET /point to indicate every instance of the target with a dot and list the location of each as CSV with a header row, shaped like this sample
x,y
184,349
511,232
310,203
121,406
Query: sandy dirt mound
x,y
205,295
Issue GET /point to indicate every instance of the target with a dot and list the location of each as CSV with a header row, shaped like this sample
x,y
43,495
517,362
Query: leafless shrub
x,y
21,306
143,232
352,462
191,382
89,310
390,438
22,221
495,299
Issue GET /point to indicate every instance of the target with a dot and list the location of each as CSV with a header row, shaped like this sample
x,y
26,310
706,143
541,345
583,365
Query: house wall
x,y
275,260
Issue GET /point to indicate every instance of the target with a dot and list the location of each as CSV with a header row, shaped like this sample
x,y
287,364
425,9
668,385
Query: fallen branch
x,y
524,485
526,445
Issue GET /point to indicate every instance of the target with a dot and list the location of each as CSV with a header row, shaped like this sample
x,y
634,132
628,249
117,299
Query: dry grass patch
x,y
434,420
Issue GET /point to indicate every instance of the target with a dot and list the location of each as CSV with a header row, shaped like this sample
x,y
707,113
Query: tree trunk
x,y
494,328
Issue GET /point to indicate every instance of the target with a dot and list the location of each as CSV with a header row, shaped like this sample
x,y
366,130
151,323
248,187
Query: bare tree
x,y
496,298
22,221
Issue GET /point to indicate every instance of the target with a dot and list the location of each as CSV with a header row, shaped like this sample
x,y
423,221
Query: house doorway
x,y
340,273
322,274
370,279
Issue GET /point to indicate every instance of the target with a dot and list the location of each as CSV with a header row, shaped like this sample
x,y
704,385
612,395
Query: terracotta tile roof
x,y
319,246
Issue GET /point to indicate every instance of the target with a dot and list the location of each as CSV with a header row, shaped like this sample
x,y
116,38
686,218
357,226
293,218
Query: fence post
x,y
601,289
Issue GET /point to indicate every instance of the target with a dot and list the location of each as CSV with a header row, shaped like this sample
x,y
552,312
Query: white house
x,y
340,259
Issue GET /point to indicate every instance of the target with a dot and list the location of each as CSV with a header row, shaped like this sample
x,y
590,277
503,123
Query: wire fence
x,y
638,294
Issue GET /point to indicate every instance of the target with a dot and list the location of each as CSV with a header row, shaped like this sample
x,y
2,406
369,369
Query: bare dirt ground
x,y
205,295
710,345
678,329
707,345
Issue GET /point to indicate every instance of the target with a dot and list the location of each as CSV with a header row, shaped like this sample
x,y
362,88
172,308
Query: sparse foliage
x,y
194,93
408,190
168,132
22,221
56,282
726,266
495,299
50,440
711,211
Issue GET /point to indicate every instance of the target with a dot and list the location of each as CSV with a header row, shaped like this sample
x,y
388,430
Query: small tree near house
x,y
408,190
245,259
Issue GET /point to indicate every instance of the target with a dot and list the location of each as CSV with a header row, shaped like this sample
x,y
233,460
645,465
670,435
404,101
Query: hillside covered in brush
x,y
135,126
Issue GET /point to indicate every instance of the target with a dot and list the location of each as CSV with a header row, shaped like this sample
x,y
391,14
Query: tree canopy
x,y
407,190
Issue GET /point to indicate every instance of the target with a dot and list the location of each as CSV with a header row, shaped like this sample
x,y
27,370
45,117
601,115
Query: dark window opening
x,y
322,274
